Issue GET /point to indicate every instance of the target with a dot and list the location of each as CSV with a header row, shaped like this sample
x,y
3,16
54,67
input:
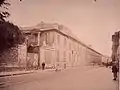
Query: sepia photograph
x,y
59,44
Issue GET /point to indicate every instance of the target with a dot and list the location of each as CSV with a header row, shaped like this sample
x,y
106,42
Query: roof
x,y
61,28
48,26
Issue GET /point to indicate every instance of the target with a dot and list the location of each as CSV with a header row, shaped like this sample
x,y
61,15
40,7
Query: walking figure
x,y
43,65
115,70
64,66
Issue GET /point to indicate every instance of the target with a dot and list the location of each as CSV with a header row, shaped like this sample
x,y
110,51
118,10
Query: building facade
x,y
55,44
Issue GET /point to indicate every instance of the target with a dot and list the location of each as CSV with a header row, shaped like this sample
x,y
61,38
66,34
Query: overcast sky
x,y
92,22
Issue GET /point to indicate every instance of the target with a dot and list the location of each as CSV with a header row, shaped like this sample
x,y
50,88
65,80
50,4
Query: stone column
x,y
39,50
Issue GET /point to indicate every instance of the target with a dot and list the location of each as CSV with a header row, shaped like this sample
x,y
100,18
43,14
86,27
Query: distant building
x,y
55,44
106,59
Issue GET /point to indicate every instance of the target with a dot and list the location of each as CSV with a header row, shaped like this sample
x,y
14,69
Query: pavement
x,y
4,74
14,73
75,78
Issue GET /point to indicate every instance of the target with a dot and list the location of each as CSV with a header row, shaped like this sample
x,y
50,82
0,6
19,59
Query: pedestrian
x,y
65,66
106,65
57,67
115,70
43,65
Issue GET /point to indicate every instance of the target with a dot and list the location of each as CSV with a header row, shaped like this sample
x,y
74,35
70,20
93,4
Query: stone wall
x,y
9,59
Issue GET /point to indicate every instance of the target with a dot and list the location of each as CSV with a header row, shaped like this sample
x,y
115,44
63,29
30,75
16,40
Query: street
x,y
77,78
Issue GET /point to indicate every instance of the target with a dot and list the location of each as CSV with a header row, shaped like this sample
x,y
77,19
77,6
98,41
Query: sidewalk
x,y
14,73
4,74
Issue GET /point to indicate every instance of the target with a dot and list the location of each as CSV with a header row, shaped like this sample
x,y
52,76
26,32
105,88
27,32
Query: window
x,y
57,55
64,56
47,37
79,50
58,37
70,57
51,38
65,41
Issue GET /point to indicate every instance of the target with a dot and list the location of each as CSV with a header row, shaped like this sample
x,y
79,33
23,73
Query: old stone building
x,y
55,44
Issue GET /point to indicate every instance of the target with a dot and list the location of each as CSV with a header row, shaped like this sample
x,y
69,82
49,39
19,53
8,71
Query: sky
x,y
92,22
